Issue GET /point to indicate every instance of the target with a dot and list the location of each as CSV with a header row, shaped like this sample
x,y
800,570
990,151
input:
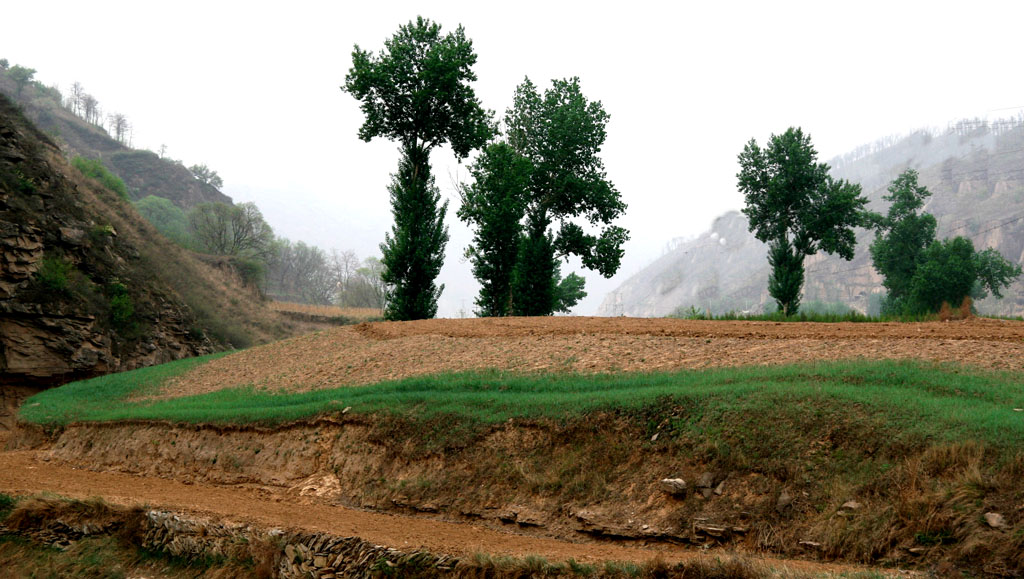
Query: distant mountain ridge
x,y
974,169
144,172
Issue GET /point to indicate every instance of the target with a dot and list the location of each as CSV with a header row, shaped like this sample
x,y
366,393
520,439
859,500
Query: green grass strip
x,y
920,400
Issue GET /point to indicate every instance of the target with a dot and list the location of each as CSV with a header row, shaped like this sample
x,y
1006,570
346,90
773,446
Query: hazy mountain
x,y
974,169
144,172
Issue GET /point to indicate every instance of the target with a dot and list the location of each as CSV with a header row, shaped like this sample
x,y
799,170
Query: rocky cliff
x,y
88,287
74,299
975,171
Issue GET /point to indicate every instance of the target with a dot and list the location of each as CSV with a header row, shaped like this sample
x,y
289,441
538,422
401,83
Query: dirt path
x,y
372,352
21,472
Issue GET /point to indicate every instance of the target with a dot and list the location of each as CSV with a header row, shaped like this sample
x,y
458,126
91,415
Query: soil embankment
x,y
22,472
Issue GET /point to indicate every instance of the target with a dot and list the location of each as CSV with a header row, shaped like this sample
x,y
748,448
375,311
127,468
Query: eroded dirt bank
x,y
584,483
31,472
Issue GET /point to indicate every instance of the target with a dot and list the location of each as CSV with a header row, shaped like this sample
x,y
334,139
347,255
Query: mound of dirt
x,y
372,352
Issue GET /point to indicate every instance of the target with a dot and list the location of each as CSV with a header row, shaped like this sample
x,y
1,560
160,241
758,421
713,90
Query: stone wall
x,y
273,552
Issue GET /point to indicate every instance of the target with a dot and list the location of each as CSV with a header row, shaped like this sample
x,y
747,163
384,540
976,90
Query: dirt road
x,y
23,473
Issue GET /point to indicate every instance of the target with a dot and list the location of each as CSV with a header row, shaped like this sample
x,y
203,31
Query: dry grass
x,y
223,308
358,314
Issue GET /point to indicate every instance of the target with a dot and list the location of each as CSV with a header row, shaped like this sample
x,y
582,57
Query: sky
x,y
252,90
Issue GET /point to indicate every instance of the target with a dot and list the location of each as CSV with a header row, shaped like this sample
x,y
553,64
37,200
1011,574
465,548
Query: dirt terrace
x,y
372,352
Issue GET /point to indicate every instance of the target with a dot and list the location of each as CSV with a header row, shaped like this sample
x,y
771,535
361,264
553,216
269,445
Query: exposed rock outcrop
x,y
76,298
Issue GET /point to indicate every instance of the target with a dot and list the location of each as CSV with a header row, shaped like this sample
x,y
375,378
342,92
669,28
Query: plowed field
x,y
372,352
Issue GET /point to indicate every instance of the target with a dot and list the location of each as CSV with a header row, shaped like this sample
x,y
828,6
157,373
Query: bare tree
x,y
344,263
90,108
119,126
238,230
364,288
372,276
76,98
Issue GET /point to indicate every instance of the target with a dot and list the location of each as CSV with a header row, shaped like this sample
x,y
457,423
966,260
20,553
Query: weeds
x,y
54,274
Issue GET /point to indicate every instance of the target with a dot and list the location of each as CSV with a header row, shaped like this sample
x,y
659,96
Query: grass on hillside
x,y
914,401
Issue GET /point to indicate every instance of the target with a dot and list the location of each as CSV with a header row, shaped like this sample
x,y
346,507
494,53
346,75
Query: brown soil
x,y
372,352
22,473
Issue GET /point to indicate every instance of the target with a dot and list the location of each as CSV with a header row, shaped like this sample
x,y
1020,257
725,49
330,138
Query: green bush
x,y
251,271
121,307
167,217
94,169
7,503
54,274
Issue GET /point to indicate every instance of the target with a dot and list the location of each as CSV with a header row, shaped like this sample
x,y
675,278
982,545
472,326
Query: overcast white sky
x,y
251,89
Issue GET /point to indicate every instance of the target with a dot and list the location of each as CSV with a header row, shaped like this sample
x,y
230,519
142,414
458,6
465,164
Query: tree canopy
x,y
167,217
797,208
21,75
528,197
416,91
561,132
902,235
207,175
495,203
235,230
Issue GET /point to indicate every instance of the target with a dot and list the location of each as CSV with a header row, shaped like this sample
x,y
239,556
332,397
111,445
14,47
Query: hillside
x,y
144,172
974,170
87,287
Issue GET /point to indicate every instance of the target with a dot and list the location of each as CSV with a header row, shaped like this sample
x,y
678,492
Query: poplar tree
x,y
417,92
561,133
797,208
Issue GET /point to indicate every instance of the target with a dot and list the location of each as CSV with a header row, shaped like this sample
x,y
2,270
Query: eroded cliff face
x,y
76,299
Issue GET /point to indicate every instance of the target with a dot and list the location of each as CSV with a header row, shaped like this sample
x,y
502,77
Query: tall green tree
x,y
494,204
920,272
417,92
561,133
901,237
413,252
797,208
